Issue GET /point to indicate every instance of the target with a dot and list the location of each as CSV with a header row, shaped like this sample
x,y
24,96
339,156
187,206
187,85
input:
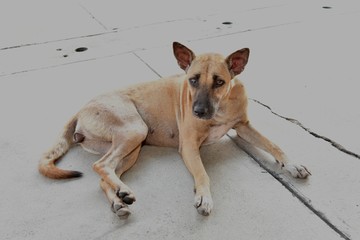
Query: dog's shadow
x,y
214,157
161,182
162,164
163,185
227,155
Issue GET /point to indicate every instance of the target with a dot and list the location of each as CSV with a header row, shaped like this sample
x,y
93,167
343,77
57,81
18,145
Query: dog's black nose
x,y
200,111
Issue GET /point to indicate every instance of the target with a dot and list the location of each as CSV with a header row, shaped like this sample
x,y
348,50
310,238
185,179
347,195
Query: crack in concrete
x,y
93,17
147,64
296,122
303,199
107,32
57,40
245,31
66,64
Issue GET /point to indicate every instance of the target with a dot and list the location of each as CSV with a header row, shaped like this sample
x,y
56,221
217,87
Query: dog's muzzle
x,y
203,110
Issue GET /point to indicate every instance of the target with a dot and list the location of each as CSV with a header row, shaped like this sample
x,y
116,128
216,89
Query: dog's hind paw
x,y
120,209
297,171
204,204
126,196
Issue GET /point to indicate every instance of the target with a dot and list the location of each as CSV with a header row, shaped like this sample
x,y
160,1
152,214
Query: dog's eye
x,y
218,83
194,81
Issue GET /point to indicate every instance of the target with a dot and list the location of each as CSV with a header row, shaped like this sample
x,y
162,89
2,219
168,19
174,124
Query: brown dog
x,y
193,109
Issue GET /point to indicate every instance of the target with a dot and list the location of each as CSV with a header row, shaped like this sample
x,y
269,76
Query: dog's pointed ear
x,y
183,55
237,61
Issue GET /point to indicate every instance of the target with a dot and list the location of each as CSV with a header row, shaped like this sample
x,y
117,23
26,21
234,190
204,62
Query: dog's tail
x,y
47,165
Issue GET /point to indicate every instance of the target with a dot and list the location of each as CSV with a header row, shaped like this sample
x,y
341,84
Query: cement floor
x,y
302,81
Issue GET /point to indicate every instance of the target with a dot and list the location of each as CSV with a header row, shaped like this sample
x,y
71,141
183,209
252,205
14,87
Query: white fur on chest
x,y
216,132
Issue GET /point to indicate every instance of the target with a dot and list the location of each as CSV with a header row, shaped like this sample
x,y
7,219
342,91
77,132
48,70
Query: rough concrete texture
x,y
302,81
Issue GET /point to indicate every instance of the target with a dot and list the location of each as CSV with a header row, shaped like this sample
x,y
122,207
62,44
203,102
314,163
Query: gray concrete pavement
x,y
303,65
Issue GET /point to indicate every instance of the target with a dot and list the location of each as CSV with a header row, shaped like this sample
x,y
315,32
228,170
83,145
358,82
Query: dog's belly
x,y
162,126
163,135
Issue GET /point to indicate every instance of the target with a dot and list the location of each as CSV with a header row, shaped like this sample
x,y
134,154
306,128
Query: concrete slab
x,y
143,33
331,169
39,21
314,89
139,14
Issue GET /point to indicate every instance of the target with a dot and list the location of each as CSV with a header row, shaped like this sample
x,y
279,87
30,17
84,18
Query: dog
x,y
183,111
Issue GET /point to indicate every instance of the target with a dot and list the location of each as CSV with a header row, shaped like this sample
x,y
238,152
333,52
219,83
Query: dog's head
x,y
209,76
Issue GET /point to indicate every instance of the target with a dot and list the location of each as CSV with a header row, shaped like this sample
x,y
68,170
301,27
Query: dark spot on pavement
x,y
81,49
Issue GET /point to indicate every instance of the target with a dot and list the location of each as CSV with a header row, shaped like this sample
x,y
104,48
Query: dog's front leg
x,y
203,200
252,136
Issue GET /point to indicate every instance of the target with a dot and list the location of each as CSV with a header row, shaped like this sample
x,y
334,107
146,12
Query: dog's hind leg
x,y
125,144
118,205
128,161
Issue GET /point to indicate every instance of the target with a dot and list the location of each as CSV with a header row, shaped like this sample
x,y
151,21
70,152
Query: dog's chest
x,y
217,131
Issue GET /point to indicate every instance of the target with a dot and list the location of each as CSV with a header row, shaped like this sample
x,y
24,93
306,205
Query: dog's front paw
x,y
120,209
298,171
204,204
